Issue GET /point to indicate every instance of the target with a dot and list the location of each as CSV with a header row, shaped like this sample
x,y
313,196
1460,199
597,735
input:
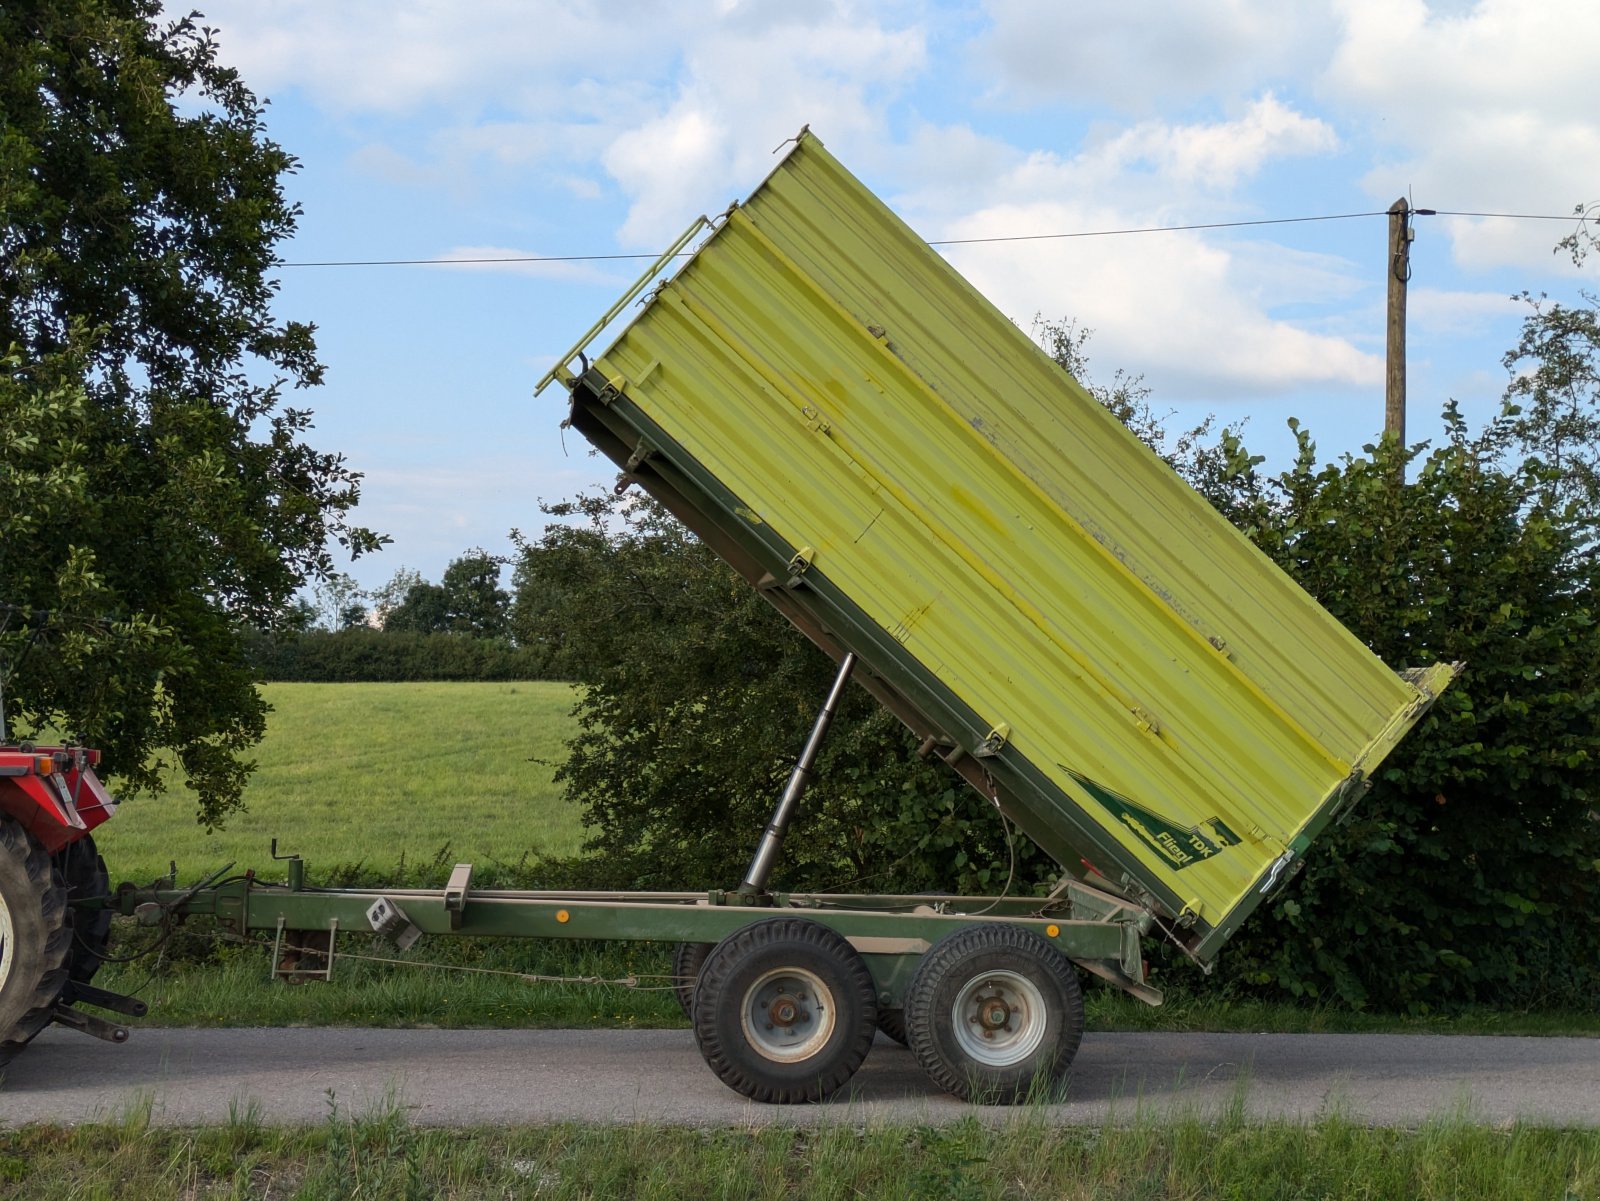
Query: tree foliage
x,y
1471,872
1555,381
158,495
698,698
468,601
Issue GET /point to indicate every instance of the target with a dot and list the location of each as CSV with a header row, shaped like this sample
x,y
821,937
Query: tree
x,y
1555,381
478,606
425,609
699,696
159,497
339,602
390,596
469,601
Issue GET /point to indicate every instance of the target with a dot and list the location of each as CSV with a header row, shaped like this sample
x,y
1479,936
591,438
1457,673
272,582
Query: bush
x,y
1471,872
346,656
698,698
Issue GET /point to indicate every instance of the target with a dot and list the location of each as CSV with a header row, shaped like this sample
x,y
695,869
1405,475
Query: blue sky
x,y
428,129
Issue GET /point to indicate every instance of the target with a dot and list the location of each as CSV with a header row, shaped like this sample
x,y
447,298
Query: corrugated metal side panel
x,y
874,266
860,398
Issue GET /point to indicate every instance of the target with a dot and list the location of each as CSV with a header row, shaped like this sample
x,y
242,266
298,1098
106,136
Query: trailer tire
x,y
35,939
893,1023
818,995
994,1014
80,867
687,960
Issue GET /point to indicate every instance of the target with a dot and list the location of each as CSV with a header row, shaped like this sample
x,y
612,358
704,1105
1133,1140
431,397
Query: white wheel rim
x,y
7,939
999,1018
787,1015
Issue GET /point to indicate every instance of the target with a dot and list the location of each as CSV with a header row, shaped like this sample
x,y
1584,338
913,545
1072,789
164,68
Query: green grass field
x,y
379,774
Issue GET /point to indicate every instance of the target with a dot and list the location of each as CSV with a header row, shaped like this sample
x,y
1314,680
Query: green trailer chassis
x,y
786,991
1096,930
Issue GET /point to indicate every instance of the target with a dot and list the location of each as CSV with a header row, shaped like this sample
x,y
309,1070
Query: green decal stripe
x,y
1179,846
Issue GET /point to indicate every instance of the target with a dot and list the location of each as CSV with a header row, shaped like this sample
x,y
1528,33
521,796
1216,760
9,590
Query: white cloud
x,y
1171,304
432,55
1139,56
1458,313
743,90
679,103
1485,105
1218,154
1159,172
1492,108
1192,311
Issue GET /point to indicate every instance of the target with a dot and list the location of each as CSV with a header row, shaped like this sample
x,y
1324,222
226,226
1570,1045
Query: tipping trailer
x,y
904,475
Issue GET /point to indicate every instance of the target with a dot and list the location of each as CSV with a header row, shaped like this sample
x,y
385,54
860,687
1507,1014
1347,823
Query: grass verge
x,y
235,989
378,1155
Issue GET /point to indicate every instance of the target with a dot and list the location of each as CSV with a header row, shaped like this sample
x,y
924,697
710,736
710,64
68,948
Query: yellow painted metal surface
x,y
860,398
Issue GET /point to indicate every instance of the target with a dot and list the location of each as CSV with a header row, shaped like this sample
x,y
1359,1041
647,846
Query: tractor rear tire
x,y
80,867
35,938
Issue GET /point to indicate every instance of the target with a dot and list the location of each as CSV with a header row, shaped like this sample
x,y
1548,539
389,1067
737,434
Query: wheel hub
x,y
7,952
999,1018
786,1010
993,1014
788,1015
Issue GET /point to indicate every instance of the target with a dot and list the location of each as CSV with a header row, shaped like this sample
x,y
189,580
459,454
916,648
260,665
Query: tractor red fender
x,y
54,793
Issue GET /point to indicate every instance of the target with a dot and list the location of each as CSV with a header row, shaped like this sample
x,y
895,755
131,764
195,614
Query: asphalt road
x,y
472,1077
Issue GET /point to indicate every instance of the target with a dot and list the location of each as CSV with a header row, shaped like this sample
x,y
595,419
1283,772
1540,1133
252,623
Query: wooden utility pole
x,y
1400,235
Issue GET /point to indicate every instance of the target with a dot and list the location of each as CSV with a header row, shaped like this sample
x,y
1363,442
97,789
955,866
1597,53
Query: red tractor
x,y
55,912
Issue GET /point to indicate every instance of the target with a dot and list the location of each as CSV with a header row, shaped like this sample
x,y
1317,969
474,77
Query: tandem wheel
x,y
994,1014
784,1011
687,960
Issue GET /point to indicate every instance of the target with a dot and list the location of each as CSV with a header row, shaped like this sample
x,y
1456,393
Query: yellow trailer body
x,y
907,476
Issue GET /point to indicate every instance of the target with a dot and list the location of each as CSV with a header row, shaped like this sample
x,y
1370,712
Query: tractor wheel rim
x,y
999,1018
7,943
787,1015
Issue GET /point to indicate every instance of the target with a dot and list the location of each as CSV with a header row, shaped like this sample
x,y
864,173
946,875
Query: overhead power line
x,y
1084,233
1151,229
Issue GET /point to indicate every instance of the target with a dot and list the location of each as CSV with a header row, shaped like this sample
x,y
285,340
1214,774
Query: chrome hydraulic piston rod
x,y
755,879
